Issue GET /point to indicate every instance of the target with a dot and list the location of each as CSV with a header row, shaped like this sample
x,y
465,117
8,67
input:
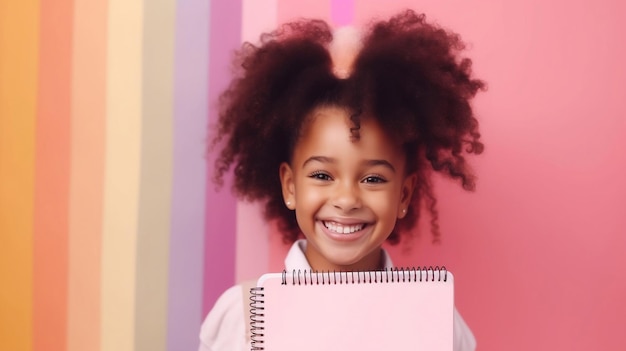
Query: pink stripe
x,y
220,243
289,10
342,12
252,228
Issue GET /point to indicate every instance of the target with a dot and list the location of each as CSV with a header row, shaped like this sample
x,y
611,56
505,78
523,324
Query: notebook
x,y
398,309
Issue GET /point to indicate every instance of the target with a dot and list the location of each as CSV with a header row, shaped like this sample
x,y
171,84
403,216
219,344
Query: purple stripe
x,y
342,12
189,177
220,243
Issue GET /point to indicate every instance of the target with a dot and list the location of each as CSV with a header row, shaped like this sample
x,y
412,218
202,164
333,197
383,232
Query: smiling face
x,y
347,194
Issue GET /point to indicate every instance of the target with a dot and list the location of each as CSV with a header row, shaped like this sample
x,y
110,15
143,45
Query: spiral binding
x,y
257,313
387,275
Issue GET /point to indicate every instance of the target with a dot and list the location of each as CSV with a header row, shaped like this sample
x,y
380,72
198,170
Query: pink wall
x,y
537,249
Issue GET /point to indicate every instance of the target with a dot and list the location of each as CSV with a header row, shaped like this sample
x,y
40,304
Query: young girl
x,y
337,134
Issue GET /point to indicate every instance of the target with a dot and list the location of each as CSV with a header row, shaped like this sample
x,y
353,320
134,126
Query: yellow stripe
x,y
121,180
156,176
19,35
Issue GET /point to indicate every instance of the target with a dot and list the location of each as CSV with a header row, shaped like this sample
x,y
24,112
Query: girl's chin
x,y
329,257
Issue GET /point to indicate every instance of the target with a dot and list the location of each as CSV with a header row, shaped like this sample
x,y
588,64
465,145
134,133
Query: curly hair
x,y
408,75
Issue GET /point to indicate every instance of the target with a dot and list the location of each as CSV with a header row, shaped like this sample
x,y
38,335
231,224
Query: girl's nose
x,y
346,197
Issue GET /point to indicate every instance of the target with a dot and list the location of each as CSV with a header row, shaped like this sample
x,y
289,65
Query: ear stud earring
x,y
288,203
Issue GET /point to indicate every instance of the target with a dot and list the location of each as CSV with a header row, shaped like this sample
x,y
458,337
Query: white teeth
x,y
343,229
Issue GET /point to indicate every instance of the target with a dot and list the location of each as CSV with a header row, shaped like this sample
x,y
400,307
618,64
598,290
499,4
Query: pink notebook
x,y
399,309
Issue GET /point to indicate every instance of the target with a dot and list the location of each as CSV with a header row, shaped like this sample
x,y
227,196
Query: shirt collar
x,y
297,260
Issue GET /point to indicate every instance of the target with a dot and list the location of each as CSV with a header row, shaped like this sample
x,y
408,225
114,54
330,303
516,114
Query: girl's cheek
x,y
312,194
382,201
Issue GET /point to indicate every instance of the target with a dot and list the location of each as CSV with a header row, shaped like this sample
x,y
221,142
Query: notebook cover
x,y
390,310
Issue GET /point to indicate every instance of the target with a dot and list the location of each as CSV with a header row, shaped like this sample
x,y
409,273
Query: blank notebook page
x,y
384,310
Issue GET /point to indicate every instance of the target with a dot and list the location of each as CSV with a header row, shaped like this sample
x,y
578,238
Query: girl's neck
x,y
371,262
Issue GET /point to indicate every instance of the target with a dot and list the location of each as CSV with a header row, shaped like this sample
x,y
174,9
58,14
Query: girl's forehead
x,y
337,120
329,123
329,129
320,116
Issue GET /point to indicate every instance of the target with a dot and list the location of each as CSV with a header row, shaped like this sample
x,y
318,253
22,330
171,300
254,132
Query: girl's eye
x,y
320,176
374,179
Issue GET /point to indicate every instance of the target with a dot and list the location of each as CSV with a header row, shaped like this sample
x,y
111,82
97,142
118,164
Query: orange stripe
x,y
52,177
19,29
86,173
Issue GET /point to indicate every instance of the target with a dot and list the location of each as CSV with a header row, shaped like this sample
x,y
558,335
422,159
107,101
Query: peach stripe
x,y
86,173
121,175
52,177
19,29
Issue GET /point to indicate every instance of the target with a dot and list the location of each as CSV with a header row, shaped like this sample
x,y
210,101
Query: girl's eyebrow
x,y
322,159
383,163
369,163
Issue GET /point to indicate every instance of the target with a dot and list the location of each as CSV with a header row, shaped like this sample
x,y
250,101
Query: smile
x,y
343,228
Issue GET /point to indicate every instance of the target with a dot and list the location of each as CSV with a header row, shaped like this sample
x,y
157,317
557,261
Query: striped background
x,y
113,238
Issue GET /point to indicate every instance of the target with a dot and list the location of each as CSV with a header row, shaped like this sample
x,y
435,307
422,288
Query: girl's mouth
x,y
343,228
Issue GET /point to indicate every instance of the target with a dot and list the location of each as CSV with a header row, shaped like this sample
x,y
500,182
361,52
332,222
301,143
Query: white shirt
x,y
224,328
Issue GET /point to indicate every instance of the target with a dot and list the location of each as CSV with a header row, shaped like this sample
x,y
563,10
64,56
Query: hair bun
x,y
343,49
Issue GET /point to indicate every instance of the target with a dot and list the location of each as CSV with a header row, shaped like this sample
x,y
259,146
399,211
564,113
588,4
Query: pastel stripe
x,y
86,174
121,182
256,18
19,41
156,176
189,175
220,241
289,10
342,12
365,11
251,259
252,230
52,177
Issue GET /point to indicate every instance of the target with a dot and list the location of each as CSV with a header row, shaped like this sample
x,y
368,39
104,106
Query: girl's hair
x,y
408,76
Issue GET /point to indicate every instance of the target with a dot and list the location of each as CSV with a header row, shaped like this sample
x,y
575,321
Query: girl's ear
x,y
410,182
287,185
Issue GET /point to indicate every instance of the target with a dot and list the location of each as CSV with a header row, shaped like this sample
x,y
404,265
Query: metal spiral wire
x,y
387,275
257,315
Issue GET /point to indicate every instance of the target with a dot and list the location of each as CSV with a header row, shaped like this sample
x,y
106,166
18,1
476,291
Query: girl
x,y
337,134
